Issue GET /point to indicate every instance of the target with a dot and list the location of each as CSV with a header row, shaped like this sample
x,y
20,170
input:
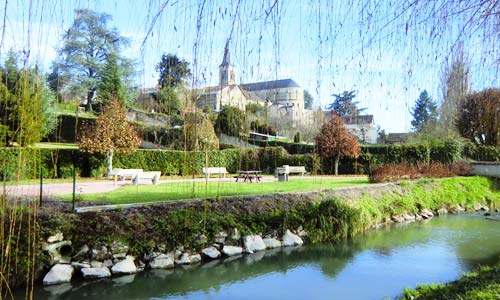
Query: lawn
x,y
190,190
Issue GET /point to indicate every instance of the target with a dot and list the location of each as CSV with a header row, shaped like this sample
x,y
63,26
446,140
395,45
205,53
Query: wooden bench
x,y
215,170
123,174
297,169
154,176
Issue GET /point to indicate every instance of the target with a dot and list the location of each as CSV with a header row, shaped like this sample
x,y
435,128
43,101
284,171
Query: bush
x,y
395,172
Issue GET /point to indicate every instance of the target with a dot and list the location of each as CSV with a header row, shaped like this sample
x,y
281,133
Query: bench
x,y
154,176
286,169
215,170
123,174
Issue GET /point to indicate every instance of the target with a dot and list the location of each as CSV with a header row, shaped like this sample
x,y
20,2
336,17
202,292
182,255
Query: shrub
x,y
395,172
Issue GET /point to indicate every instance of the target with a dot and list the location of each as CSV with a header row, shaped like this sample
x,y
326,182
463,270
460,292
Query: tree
x,y
455,86
88,44
111,86
334,141
199,132
308,100
231,121
169,101
111,133
173,71
26,110
424,112
381,135
343,105
479,117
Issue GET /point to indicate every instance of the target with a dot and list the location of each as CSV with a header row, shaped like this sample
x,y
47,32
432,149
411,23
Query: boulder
x,y
290,239
442,211
426,213
79,265
481,207
271,243
82,252
301,232
201,239
187,259
55,238
59,273
100,254
408,217
162,261
455,209
398,219
232,250
108,263
93,273
126,266
211,252
220,237
253,243
95,264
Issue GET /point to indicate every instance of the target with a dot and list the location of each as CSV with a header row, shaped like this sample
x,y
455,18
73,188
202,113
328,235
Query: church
x,y
284,97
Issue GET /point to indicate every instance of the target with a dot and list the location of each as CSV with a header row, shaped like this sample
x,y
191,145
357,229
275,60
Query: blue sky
x,y
325,46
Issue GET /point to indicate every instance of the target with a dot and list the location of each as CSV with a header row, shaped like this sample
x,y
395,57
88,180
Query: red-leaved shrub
x,y
393,172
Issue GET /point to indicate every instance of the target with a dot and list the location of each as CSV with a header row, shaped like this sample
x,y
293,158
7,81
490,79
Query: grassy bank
x,y
190,190
484,284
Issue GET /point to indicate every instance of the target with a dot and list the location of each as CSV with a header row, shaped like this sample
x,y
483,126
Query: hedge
x,y
60,162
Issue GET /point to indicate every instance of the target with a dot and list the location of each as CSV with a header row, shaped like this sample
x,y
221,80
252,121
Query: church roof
x,y
360,119
268,85
226,60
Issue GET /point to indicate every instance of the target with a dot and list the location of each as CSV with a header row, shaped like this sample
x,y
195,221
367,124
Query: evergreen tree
x,y
343,105
173,71
308,100
424,112
111,86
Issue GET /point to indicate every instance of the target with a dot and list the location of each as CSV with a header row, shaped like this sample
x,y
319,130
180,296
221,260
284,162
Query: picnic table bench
x,y
123,174
249,176
215,170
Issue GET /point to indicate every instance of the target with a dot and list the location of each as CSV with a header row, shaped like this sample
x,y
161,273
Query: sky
x,y
387,52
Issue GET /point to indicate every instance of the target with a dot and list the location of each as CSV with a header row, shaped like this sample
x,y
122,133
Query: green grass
x,y
481,285
190,190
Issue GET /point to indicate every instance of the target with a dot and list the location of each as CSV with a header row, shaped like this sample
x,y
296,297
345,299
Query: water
x,y
377,265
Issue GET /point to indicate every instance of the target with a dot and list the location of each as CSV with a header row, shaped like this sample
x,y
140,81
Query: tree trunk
x,y
337,158
109,167
90,95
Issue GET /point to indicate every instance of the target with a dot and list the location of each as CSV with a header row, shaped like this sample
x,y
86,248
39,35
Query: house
x,y
363,127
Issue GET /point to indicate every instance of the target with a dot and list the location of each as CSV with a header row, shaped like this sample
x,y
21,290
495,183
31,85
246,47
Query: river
x,y
376,265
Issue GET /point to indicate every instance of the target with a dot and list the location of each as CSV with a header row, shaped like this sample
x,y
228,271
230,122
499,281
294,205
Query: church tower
x,y
227,71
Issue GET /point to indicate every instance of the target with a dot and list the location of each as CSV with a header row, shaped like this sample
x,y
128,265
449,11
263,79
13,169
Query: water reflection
x,y
371,266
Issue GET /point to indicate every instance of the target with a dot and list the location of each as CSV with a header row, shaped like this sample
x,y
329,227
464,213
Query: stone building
x,y
363,127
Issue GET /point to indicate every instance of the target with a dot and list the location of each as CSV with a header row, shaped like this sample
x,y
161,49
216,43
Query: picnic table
x,y
248,175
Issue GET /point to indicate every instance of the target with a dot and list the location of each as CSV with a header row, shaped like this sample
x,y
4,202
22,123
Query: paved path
x,y
99,186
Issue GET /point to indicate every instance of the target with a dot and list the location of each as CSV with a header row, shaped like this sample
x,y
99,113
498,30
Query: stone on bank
x,y
59,273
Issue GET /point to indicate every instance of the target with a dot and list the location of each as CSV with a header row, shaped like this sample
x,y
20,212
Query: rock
x,y
117,257
211,252
398,219
232,250
480,207
408,218
100,254
82,252
418,217
271,243
108,263
55,238
455,209
426,213
187,259
118,247
253,243
290,239
95,264
79,265
162,261
442,211
58,274
301,232
195,258
161,247
93,273
235,234
126,266
177,253
220,237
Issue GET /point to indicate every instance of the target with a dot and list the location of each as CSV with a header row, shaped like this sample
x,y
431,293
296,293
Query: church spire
x,y
227,71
